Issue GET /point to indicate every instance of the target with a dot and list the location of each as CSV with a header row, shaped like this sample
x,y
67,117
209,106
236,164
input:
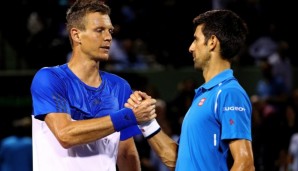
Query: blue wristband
x,y
123,118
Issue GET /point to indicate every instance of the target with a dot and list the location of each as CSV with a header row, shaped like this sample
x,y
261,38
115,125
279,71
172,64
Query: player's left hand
x,y
136,98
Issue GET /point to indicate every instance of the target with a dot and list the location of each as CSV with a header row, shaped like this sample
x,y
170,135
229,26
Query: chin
x,y
103,57
198,68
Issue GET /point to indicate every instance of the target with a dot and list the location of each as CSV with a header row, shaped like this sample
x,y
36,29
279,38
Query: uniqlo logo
x,y
202,102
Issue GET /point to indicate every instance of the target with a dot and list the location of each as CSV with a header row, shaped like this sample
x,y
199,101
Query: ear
x,y
75,35
213,42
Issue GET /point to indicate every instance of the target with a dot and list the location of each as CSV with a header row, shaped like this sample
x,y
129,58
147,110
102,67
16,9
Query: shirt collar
x,y
219,78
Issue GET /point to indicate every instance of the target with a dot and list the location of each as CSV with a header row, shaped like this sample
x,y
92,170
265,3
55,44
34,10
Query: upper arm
x,y
127,146
242,154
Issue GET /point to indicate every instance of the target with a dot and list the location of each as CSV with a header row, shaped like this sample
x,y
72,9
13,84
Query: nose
x,y
108,36
190,49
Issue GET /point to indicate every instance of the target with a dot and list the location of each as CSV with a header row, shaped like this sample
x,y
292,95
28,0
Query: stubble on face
x,y
202,61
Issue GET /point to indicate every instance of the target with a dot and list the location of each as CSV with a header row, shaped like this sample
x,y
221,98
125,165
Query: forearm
x,y
128,157
70,133
132,164
165,148
85,131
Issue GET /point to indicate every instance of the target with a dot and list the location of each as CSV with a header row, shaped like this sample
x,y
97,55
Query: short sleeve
x,y
48,94
234,113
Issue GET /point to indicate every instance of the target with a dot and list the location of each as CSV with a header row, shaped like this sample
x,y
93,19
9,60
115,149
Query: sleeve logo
x,y
233,108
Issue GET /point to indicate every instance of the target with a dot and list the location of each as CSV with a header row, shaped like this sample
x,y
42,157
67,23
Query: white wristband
x,y
149,128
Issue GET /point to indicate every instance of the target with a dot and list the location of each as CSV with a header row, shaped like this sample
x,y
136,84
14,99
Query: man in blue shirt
x,y
217,126
79,121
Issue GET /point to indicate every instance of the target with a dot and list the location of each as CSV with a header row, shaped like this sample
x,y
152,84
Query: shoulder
x,y
43,74
113,77
48,71
233,89
48,76
232,85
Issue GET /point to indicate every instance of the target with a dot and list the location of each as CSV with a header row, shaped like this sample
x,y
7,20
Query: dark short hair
x,y
78,10
227,26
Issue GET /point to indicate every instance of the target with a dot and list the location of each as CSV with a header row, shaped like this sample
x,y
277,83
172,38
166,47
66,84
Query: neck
x,y
86,71
214,69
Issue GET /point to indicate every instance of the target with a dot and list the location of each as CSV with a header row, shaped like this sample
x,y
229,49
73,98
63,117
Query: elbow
x,y
64,140
65,145
171,165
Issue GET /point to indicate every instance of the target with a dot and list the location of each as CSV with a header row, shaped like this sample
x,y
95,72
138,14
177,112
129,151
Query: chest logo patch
x,y
202,102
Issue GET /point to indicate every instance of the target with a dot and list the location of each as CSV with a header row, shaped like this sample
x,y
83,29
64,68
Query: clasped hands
x,y
143,106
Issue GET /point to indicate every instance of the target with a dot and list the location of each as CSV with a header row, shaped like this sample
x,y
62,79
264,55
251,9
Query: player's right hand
x,y
142,105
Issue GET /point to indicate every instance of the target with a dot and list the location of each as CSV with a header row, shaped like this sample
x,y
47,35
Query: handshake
x,y
140,109
143,107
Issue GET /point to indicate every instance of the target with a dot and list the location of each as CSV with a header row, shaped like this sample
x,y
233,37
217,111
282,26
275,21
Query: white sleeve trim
x,y
215,106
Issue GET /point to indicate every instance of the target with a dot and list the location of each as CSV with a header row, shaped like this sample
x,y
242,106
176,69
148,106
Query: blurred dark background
x,y
151,43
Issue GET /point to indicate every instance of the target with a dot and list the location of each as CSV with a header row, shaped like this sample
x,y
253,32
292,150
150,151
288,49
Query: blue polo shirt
x,y
220,111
